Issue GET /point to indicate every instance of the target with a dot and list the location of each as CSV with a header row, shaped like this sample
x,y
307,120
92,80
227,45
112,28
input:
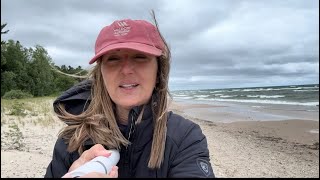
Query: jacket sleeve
x,y
192,157
60,162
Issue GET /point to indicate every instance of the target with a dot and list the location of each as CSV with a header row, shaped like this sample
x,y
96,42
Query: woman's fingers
x,y
94,151
114,172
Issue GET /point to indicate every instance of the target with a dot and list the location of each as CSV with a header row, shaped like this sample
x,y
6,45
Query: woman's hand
x,y
88,155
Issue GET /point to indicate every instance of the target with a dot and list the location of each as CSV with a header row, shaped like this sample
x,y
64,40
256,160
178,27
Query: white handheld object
x,y
100,164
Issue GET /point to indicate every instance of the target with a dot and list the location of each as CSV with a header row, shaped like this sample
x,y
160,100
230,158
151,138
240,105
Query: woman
x,y
124,106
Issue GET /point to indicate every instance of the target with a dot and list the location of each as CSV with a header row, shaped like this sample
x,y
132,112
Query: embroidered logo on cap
x,y
203,165
123,29
122,24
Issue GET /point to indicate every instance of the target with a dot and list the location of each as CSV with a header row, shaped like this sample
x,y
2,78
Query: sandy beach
x,y
245,140
254,140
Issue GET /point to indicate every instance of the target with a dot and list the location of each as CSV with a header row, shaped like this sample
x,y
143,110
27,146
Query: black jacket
x,y
186,152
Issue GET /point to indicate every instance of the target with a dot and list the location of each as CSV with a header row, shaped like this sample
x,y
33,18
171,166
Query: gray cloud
x,y
214,44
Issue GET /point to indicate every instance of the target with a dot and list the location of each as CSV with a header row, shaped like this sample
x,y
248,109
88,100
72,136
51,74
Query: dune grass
x,y
37,110
16,113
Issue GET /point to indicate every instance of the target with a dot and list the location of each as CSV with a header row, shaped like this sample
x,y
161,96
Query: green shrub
x,y
16,94
18,109
14,137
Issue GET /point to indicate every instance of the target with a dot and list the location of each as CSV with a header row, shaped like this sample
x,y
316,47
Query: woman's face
x,y
129,76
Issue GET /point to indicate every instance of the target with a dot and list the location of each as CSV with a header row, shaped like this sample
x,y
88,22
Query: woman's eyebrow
x,y
111,54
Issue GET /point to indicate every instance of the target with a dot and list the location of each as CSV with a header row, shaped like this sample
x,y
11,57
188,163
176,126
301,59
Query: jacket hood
x,y
79,92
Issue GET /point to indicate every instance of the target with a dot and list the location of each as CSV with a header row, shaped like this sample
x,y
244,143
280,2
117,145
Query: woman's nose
x,y
127,65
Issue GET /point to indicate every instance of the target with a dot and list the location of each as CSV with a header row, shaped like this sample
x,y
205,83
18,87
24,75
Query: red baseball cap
x,y
138,35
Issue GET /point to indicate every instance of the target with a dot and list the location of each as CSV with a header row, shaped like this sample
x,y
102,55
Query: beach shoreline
x,y
242,140
225,112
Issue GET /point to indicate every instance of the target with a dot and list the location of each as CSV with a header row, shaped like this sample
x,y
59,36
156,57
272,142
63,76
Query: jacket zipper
x,y
128,149
131,130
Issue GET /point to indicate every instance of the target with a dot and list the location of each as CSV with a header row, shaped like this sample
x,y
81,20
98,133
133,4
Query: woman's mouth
x,y
128,86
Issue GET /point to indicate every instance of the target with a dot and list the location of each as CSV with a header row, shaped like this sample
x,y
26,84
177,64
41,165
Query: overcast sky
x,y
214,43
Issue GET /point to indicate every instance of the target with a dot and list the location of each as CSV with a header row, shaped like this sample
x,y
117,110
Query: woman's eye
x,y
140,56
113,58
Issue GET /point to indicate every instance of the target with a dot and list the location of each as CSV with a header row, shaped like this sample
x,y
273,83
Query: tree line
x,y
32,70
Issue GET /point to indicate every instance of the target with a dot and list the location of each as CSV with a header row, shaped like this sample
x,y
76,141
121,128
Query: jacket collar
x,y
143,131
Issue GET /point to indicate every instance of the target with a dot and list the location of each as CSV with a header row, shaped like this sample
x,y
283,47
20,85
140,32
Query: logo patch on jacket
x,y
204,166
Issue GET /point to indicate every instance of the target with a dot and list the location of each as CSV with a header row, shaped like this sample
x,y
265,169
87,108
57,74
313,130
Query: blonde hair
x,y
98,121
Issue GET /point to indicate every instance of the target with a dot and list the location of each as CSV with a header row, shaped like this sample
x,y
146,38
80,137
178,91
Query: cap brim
x,y
129,45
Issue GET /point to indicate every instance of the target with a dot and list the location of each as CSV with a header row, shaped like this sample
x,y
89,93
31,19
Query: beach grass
x,y
18,113
37,110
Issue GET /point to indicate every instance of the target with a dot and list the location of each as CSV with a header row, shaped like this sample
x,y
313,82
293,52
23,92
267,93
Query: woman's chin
x,y
129,105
